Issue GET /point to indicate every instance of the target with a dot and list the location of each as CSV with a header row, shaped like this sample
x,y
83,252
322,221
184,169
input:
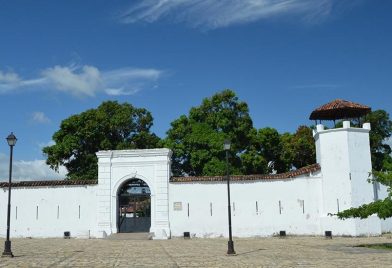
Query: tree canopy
x,y
111,126
197,141
299,149
280,152
381,131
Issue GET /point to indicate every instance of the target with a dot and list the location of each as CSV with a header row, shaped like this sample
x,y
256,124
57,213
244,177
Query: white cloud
x,y
8,81
129,81
216,14
9,77
40,118
45,144
81,81
389,141
85,80
29,170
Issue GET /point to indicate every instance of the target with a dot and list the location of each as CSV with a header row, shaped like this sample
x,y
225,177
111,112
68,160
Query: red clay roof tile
x,y
339,109
286,175
48,183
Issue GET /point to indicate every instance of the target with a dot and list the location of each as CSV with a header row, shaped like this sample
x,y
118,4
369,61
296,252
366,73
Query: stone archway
x,y
115,169
133,207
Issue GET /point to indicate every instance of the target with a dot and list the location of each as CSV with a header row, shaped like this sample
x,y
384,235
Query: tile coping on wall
x,y
49,183
286,175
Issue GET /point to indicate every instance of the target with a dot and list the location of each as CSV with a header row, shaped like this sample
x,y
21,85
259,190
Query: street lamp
x,y
230,243
11,139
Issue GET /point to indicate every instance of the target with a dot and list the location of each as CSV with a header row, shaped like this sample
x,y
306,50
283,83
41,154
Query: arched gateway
x,y
134,207
133,192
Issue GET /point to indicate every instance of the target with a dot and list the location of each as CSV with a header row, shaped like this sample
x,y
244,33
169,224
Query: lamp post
x,y
11,139
230,243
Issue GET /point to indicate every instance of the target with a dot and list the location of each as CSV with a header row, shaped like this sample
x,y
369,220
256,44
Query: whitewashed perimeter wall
x,y
49,211
299,205
291,205
382,193
306,203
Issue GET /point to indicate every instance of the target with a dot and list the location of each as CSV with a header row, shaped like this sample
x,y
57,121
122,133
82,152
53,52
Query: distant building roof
x,y
339,109
286,175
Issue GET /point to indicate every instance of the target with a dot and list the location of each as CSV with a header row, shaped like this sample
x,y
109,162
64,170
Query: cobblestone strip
x,y
175,264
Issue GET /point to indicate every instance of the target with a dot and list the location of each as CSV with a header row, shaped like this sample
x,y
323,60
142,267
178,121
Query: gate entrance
x,y
134,207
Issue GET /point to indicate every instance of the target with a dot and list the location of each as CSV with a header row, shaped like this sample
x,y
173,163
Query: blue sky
x,y
284,58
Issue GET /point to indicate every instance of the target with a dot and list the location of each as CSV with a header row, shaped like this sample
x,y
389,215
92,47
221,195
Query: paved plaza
x,y
252,252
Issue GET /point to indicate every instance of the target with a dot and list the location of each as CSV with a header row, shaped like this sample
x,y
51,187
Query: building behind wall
x,y
300,202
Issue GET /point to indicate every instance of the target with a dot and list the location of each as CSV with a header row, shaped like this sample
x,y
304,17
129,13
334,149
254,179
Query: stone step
x,y
130,236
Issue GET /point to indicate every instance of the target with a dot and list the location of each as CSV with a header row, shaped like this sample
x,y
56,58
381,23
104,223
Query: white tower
x,y
345,160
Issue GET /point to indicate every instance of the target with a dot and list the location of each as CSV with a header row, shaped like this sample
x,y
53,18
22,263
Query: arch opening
x,y
133,207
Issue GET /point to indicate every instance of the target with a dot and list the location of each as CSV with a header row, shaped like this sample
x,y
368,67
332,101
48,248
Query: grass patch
x,y
387,246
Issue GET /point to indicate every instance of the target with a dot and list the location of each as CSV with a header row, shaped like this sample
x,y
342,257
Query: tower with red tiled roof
x,y
344,157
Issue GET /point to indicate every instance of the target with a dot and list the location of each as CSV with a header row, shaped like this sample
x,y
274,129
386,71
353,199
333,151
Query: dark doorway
x,y
134,207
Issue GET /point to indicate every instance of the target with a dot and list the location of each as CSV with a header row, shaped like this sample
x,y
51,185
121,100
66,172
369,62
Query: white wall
x,y
382,192
246,221
344,156
305,201
58,211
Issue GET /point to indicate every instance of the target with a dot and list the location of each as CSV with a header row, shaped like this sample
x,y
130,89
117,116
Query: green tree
x,y
382,167
253,162
111,126
288,154
197,139
284,151
381,131
266,144
303,147
288,150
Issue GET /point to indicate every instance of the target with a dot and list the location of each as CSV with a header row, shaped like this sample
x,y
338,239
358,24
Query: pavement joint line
x,y
120,254
63,259
169,255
